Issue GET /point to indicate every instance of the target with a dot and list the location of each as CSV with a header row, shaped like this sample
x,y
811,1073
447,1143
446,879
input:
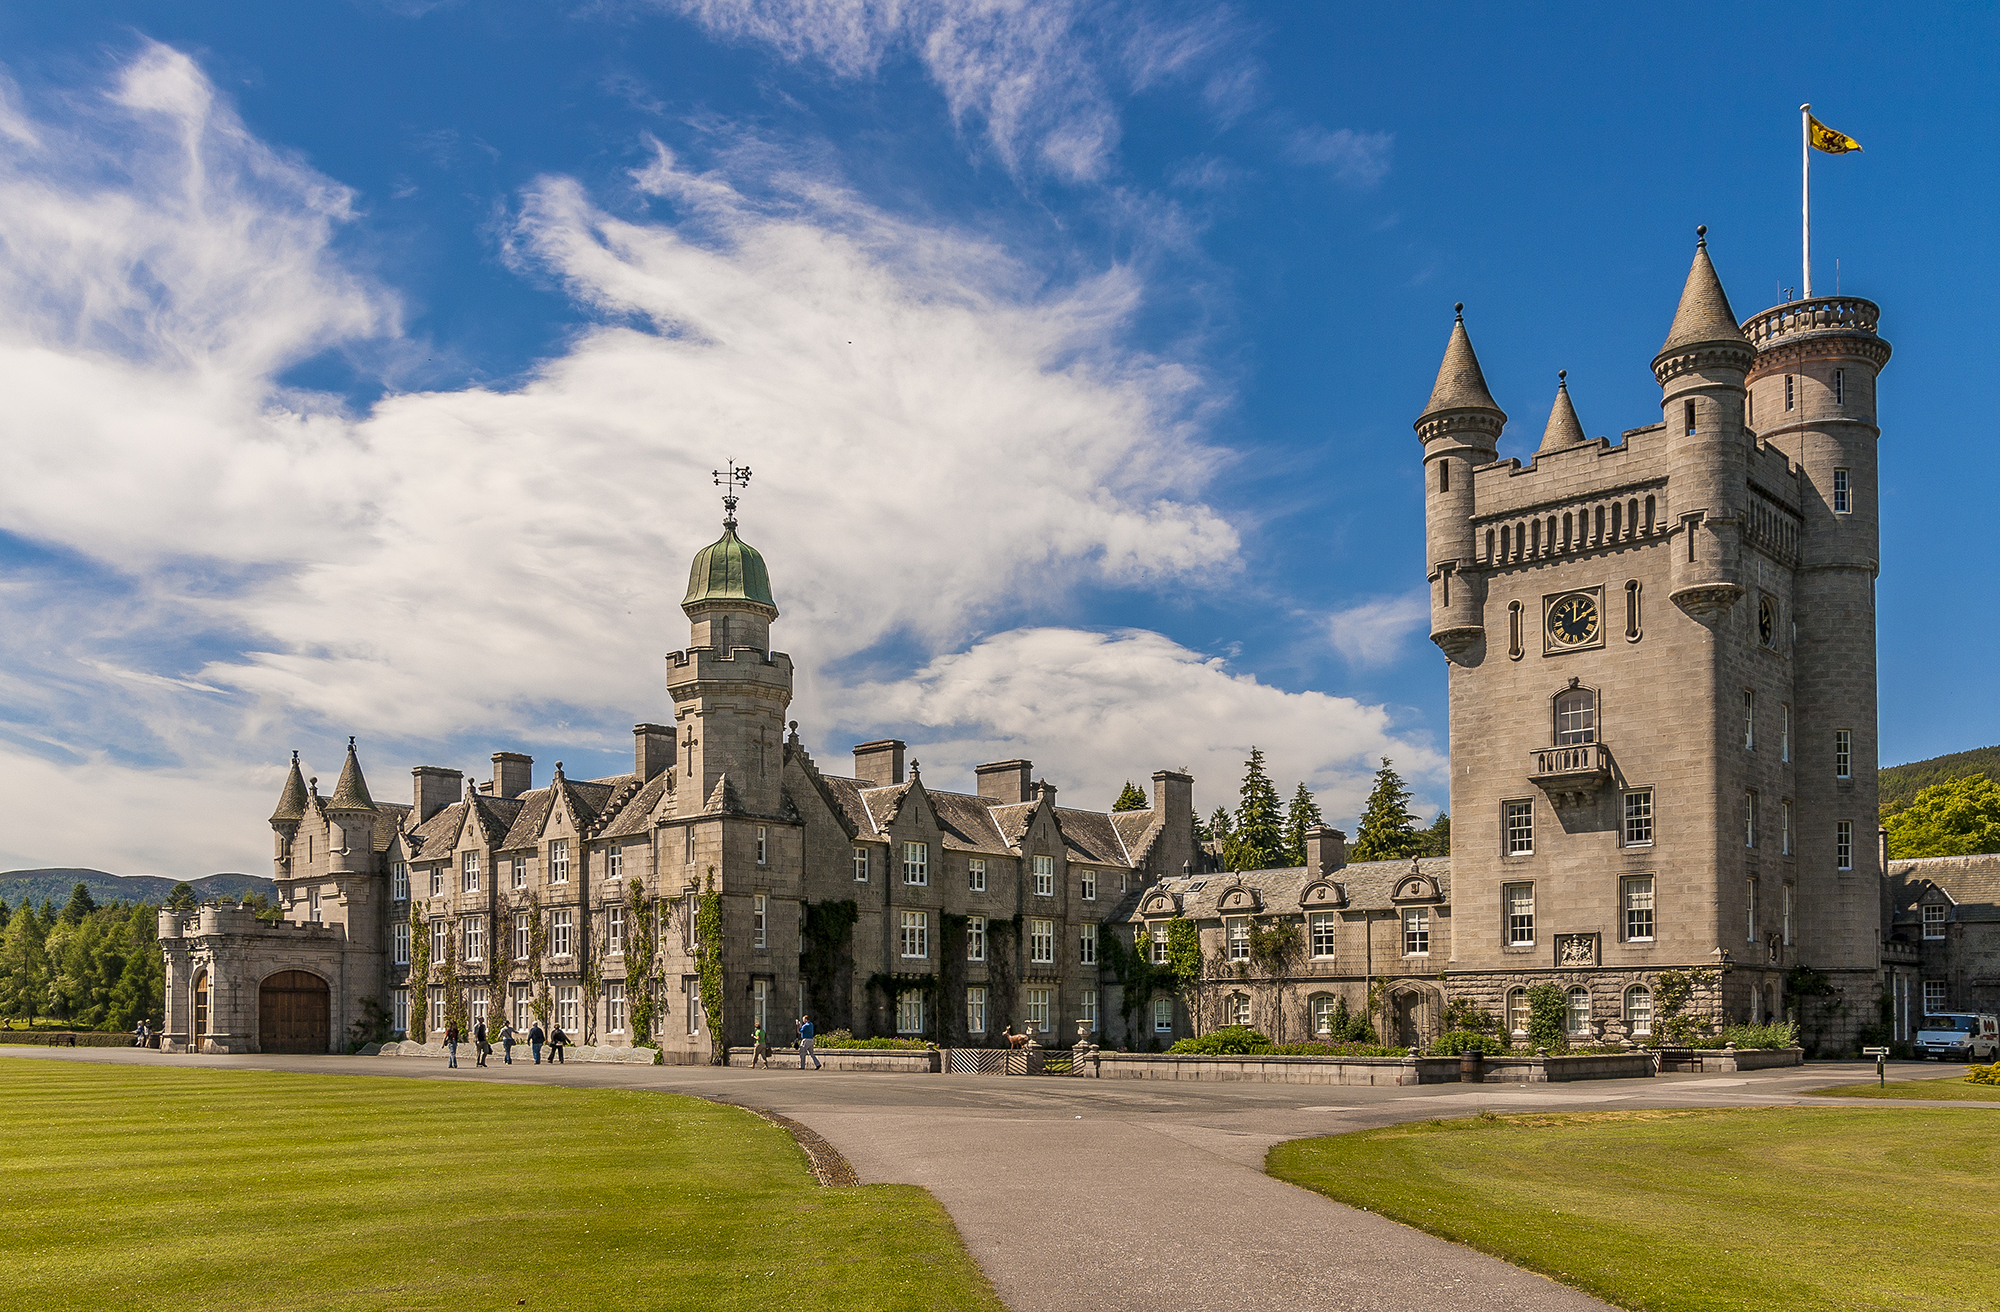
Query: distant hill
x,y
17,886
1902,783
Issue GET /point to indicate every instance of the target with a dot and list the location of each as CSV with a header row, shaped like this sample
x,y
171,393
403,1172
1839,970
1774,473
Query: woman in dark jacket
x,y
557,1041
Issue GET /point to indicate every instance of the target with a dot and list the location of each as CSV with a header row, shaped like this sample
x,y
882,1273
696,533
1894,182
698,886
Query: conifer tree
x,y
181,897
1131,799
1219,834
1437,839
24,968
1302,815
1388,830
1259,834
81,904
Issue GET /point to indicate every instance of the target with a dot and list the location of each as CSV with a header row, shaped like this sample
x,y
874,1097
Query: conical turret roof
x,y
292,801
1704,314
1460,384
1564,430
729,569
351,793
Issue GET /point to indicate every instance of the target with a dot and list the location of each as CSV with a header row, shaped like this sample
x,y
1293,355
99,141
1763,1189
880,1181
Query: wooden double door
x,y
294,1013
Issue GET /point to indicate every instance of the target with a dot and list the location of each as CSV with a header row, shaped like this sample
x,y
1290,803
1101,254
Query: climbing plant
x,y
708,946
642,950
1548,1016
1816,1002
420,976
1673,990
592,982
453,989
1183,953
1138,978
538,944
827,962
1272,942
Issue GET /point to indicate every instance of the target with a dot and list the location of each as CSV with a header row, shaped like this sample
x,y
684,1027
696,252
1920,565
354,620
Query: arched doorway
x,y
293,1013
1408,1009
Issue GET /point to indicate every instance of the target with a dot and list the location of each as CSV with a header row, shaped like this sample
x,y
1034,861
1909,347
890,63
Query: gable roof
x,y
1091,837
1973,882
1369,885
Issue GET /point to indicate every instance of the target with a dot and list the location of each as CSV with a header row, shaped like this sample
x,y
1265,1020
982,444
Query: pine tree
x,y
1219,833
81,904
1131,799
1388,830
24,967
1302,815
1437,839
1260,837
181,897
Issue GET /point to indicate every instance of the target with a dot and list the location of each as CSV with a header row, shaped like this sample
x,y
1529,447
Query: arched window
x,y
1506,542
1552,535
1514,629
1535,539
1632,517
1239,1009
1576,717
1617,519
1600,524
1639,1010
1489,545
1322,1014
1649,514
1631,610
1569,524
1579,1010
1517,1012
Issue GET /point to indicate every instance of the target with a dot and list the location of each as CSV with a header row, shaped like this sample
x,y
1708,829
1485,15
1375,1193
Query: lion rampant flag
x,y
1824,138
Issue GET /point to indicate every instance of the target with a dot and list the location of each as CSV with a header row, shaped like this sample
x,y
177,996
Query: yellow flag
x,y
1826,139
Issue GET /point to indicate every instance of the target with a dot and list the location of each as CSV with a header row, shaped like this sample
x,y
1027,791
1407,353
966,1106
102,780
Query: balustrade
x,y
1821,314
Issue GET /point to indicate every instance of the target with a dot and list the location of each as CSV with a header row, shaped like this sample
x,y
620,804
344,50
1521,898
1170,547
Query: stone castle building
x,y
1661,657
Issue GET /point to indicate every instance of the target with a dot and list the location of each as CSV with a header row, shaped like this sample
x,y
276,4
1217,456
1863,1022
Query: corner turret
x,y
292,803
1564,429
350,814
1460,430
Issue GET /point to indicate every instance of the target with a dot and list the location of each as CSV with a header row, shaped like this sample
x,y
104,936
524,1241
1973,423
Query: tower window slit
x,y
1788,395
1600,523
1444,475
1514,629
1568,524
1552,535
1840,387
1506,542
1535,540
1632,608
1690,418
1649,515
1616,516
1489,545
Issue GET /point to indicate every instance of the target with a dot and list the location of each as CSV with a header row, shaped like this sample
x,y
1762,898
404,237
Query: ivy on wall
x,y
454,990
538,945
708,946
1673,990
420,975
826,966
642,960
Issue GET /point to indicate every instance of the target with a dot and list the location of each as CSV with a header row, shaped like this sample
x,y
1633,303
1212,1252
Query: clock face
x,y
1767,623
1573,619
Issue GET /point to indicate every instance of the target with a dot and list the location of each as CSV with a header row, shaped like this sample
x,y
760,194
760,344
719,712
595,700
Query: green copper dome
x,y
729,569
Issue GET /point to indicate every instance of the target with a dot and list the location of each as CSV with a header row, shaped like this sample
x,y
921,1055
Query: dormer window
x,y
1934,918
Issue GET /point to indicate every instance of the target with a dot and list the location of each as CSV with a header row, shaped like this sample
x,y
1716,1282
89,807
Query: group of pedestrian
x,y
142,1037
482,1047
761,1046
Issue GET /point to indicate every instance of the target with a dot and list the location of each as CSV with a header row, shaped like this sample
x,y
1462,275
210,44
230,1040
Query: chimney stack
x,y
652,749
513,774
1173,795
1326,851
437,788
880,763
1004,782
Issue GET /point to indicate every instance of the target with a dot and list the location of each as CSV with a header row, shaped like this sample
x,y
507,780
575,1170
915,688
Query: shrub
x,y
1463,1015
1229,1041
1453,1042
1548,1017
1777,1034
1350,1026
846,1039
1984,1074
1337,1050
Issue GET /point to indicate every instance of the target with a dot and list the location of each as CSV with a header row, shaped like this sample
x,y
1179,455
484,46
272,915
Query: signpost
x,y
1881,1056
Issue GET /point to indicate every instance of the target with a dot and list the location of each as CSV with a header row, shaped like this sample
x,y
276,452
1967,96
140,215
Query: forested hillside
x,y
87,966
1902,783
18,886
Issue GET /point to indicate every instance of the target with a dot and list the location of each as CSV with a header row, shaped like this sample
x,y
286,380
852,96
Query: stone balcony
x,y
1822,314
1572,775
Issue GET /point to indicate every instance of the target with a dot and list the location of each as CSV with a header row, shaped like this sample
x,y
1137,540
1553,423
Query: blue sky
x,y
368,360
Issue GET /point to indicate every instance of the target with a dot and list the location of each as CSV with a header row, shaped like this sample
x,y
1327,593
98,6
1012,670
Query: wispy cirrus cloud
x,y
1374,632
1357,159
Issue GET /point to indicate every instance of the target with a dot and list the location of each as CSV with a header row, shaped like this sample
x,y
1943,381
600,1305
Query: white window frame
x,y
760,1002
1843,492
916,864
1638,818
1843,844
860,865
1749,720
399,1010
568,1011
1638,1018
910,1011
1087,946
975,1009
561,928
523,1006
1042,942
614,863
524,935
517,872
1236,930
468,872
916,927
1576,1015
1159,937
975,874
399,882
1045,876
1321,1006
400,939
1935,921
1785,826
440,940
1750,909
763,845
975,938
760,919
1323,934
1087,1009
1163,1015
690,856
312,906
1236,1009
1935,998
1749,817
1039,1001
1517,905
1417,932
1636,894
472,937
614,1007
437,881
614,929
478,1003
1785,734
1517,828
1786,925
1518,1013
559,861
1843,753
1087,885
434,1009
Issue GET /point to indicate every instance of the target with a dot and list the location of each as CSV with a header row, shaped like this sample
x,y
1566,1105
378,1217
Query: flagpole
x,y
1805,196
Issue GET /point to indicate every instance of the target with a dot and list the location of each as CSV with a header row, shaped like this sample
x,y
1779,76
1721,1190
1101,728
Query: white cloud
x,y
1373,633
1093,710
1357,159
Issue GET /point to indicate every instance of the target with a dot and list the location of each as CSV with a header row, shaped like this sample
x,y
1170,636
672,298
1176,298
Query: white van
x,y
1959,1036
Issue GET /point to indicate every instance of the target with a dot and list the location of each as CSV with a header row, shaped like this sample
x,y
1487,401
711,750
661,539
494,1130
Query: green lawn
x,y
1952,1088
135,1187
1697,1211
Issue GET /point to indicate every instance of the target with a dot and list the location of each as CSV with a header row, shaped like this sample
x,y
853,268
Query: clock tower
x,y
1661,654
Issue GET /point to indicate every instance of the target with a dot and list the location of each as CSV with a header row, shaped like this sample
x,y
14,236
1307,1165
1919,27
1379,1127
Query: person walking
x,y
760,1049
507,1042
451,1046
480,1047
535,1040
806,1044
140,1035
557,1042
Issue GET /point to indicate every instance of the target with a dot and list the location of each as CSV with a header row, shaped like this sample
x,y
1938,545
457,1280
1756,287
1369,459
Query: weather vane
x,y
731,478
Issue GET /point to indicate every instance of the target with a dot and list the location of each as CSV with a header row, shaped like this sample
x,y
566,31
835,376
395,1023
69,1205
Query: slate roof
x,y
1460,383
635,817
1367,885
975,824
351,793
527,826
1090,836
292,801
436,837
967,822
1972,881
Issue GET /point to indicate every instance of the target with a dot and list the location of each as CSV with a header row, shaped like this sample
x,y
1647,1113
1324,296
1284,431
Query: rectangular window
x,y
1639,818
614,863
614,1008
1324,928
470,882
1933,996
440,941
1785,828
566,1010
437,881
760,1002
763,846
1842,502
473,931
1087,1009
1750,909
910,1011
524,1007
691,989
1639,1010
559,861
916,863
614,929
1238,928
1843,753
399,1010
1934,918
313,912
860,865
1520,828
760,908
1416,932
1638,898
1787,926
1785,734
916,934
1843,844
401,937
1038,1010
975,938
1749,720
1520,901
523,935
1163,1015
1688,416
1087,946
477,1003
1750,817
399,882
1160,944
560,928
434,1010
1840,387
975,874
975,1011
1518,1012
1045,876
1087,885
1042,942
690,856
1788,391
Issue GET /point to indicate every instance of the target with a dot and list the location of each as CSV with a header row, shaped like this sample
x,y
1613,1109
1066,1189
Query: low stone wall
x,y
67,1038
893,1061
1277,1070
1557,1070
1713,1061
574,1052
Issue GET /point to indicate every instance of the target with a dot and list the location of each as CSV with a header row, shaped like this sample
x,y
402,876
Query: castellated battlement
x,y
736,663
